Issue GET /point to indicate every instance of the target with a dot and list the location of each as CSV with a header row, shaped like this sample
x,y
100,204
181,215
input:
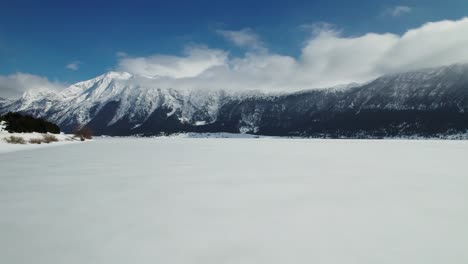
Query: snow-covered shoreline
x,y
68,138
6,147
454,137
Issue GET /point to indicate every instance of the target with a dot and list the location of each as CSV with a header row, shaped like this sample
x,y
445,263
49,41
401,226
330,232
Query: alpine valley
x,y
426,103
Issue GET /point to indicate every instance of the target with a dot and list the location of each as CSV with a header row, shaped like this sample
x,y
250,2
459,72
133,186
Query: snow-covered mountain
x,y
133,97
425,102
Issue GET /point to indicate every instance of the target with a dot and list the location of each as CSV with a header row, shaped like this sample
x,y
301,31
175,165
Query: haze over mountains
x,y
429,102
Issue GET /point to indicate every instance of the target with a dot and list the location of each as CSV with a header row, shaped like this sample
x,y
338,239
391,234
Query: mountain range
x,y
428,103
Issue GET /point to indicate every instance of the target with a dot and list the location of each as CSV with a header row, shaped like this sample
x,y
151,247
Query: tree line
x,y
18,123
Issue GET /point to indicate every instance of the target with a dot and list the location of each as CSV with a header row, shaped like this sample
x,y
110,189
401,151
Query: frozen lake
x,y
216,201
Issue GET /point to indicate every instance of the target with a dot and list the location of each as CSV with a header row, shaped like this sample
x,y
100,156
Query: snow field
x,y
189,200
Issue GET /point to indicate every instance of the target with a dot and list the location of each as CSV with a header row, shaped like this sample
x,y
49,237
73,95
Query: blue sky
x,y
43,37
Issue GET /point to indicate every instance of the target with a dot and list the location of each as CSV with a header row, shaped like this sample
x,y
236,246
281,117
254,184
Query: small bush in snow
x,y
47,138
15,140
35,141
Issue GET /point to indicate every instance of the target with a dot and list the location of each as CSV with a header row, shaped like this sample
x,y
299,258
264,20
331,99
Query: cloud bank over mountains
x,y
327,58
196,61
14,85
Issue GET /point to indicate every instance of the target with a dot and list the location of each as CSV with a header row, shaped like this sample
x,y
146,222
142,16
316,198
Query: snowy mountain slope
x,y
444,87
430,101
82,102
4,101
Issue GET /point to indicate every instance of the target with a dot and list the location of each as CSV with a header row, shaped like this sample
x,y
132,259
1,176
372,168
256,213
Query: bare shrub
x,y
35,141
48,138
84,133
15,140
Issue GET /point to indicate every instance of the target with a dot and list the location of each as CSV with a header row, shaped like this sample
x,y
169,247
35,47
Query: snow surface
x,y
186,200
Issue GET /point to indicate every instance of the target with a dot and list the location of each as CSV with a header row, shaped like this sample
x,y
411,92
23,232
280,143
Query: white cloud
x,y
121,54
195,61
73,66
433,44
398,10
318,27
328,58
244,38
14,85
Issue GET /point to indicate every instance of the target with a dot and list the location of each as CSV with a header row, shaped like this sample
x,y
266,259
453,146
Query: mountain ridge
x,y
426,102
